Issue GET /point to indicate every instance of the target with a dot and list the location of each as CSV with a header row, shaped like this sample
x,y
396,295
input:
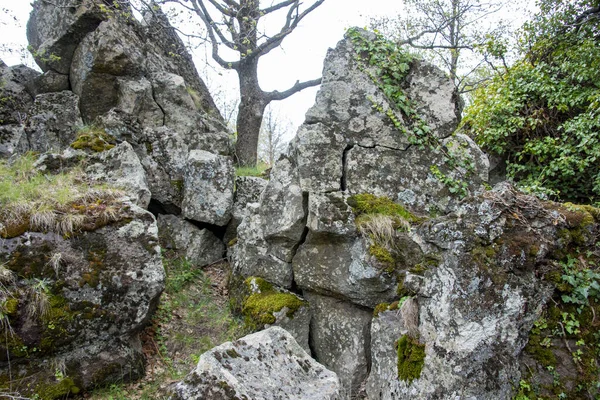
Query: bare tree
x,y
272,139
445,30
236,30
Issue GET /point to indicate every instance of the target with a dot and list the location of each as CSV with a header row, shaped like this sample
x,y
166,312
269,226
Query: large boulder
x,y
54,122
208,188
267,365
16,92
78,302
129,83
247,190
55,29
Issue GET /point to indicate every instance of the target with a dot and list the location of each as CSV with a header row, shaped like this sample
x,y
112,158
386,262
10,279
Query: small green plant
x,y
380,220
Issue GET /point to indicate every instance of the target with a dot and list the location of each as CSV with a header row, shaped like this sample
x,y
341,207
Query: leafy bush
x,y
543,115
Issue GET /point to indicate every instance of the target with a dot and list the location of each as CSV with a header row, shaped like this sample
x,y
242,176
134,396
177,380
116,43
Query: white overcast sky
x,y
300,57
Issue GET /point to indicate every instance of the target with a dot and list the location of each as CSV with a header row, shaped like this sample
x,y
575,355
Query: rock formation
x,y
76,305
362,219
132,79
121,101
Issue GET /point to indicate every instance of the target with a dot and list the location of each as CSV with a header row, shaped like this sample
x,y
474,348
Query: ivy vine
x,y
387,66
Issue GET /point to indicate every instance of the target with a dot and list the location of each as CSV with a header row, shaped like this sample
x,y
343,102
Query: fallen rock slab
x,y
267,365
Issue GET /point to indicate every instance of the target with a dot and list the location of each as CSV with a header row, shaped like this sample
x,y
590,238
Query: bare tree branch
x,y
291,24
279,6
298,86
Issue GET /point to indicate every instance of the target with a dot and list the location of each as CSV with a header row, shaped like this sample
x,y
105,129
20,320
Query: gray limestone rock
x,y
54,122
342,268
102,287
208,188
340,340
251,257
55,29
383,383
50,82
120,167
267,365
283,209
17,99
406,176
112,50
200,246
247,190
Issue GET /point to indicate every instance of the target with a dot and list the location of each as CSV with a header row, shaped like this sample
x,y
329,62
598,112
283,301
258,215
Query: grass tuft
x,y
62,203
257,171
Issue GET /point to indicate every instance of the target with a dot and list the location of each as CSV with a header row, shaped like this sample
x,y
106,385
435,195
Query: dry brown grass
x,y
63,203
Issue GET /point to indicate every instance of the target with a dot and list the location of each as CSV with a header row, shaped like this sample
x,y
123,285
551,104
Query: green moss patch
x,y
382,254
94,139
58,390
411,357
258,308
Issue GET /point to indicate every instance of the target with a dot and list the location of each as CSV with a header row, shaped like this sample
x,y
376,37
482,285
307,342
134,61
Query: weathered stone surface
x,y
329,214
54,122
340,340
55,29
100,289
50,82
17,99
320,153
121,167
383,383
438,102
111,51
200,246
477,305
406,176
342,268
165,37
265,365
135,97
208,188
247,190
250,256
283,210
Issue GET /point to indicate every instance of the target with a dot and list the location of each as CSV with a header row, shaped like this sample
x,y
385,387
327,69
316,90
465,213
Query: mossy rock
x,y
264,301
93,139
58,390
411,358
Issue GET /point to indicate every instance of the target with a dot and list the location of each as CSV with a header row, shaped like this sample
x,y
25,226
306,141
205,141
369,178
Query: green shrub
x,y
543,115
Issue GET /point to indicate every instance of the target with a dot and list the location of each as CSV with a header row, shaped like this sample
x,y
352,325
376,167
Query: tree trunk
x,y
250,113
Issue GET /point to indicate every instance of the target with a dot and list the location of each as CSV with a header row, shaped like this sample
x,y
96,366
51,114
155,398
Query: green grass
x,y
61,203
252,171
191,319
